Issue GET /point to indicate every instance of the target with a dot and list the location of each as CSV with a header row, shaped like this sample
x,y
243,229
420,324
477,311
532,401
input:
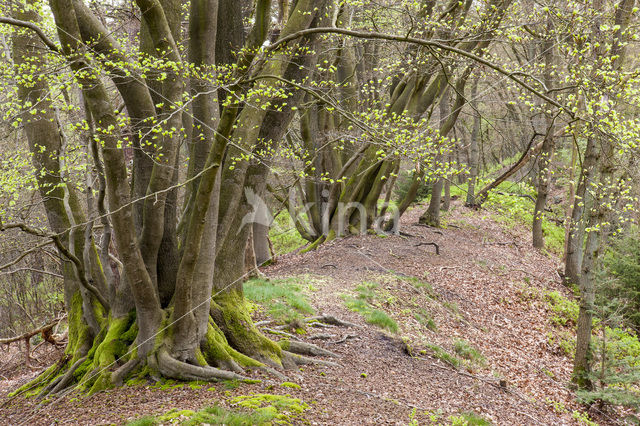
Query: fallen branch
x,y
30,334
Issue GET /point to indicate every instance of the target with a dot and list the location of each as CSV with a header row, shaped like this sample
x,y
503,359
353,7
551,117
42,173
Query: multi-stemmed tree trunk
x,y
170,310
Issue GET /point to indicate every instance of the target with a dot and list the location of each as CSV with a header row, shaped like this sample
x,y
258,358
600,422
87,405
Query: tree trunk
x,y
473,147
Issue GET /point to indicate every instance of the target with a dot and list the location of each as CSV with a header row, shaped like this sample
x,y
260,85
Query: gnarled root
x,y
63,381
172,368
302,348
295,359
331,320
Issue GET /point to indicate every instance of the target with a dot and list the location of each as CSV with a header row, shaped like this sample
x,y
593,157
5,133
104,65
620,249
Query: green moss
x,y
168,384
231,384
258,409
34,387
290,385
176,414
136,381
198,384
469,419
282,403
239,329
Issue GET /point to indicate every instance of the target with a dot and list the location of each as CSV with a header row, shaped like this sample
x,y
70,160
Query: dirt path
x,y
488,288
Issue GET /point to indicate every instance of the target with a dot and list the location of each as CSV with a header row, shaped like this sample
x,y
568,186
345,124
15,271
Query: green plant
x,y
616,373
565,310
444,356
363,304
381,319
283,297
469,419
563,340
283,234
424,318
255,409
468,352
583,418
619,279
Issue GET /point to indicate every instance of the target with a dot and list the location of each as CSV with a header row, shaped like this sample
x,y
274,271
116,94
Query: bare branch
x,y
18,23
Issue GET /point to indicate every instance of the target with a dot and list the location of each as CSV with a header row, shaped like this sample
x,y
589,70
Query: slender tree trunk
x,y
473,146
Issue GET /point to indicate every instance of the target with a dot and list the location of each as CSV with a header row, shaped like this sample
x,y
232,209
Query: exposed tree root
x,y
118,376
296,359
302,348
63,381
231,346
345,338
331,320
172,368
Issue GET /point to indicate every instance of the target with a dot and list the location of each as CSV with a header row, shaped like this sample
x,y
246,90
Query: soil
x,y
488,288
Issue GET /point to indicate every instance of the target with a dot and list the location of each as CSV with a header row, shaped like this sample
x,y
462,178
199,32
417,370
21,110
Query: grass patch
x,y
420,285
256,409
382,320
468,352
283,299
440,353
363,303
424,318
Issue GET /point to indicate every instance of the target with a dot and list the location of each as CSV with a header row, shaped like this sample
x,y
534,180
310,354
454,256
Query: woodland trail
x,y
486,287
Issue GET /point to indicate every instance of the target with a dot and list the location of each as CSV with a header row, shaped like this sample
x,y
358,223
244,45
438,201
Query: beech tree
x,y
150,141
154,295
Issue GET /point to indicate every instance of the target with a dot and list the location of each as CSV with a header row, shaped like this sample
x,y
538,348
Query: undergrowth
x,y
255,409
283,234
468,352
364,303
283,298
514,204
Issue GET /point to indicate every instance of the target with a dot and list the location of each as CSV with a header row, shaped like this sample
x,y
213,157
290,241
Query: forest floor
x,y
477,337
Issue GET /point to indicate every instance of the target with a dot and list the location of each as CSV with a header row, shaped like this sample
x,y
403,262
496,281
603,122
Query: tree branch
x,y
65,251
31,333
30,25
426,43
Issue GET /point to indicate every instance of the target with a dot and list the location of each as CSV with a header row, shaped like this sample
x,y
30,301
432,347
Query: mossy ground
x,y
253,409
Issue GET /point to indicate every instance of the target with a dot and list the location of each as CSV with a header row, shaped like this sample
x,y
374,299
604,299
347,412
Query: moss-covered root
x,y
37,385
231,315
322,239
175,369
110,346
